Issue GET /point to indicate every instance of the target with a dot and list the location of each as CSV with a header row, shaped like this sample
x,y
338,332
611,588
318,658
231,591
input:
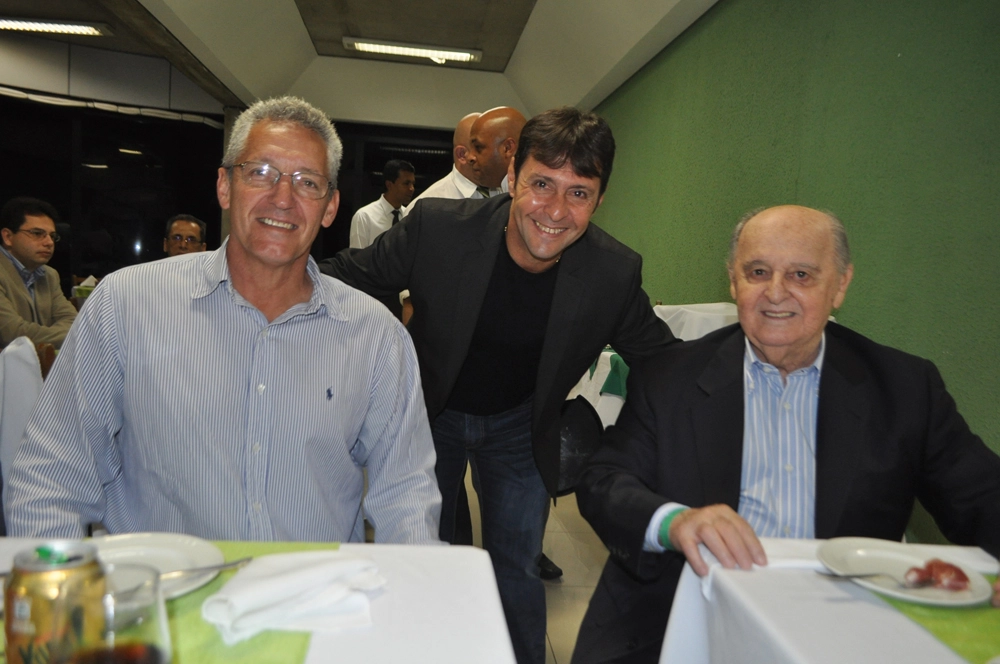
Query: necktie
x,y
395,217
485,191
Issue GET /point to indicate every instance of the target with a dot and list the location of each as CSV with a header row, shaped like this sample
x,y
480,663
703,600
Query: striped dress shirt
x,y
778,481
175,405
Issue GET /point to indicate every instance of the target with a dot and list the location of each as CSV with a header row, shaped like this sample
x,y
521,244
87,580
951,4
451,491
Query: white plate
x,y
863,555
166,552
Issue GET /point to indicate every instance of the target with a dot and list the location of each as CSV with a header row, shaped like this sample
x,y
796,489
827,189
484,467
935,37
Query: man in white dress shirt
x,y
458,183
379,216
493,141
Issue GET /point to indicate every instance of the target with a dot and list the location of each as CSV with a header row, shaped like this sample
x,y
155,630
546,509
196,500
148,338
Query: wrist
x,y
664,534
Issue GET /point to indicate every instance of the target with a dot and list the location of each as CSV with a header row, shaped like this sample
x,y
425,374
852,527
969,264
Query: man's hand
x,y
996,594
723,531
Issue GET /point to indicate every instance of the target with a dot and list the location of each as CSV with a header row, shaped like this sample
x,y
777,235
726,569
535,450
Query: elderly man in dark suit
x,y
784,425
513,299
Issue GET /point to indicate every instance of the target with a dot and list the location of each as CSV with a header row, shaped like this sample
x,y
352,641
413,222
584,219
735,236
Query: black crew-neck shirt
x,y
501,367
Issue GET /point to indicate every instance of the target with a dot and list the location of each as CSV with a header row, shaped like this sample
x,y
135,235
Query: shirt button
x,y
263,334
256,506
789,468
260,389
788,406
255,448
788,531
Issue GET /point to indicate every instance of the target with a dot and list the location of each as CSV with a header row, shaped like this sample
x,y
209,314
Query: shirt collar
x,y
28,277
464,184
386,205
751,359
216,272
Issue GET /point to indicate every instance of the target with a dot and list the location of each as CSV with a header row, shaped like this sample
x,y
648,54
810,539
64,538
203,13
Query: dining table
x,y
439,605
787,613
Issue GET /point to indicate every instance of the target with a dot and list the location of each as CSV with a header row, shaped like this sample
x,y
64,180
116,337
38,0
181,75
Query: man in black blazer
x,y
699,456
513,299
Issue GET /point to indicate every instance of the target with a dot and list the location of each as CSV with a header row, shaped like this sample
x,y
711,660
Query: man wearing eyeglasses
x,y
31,302
185,234
289,383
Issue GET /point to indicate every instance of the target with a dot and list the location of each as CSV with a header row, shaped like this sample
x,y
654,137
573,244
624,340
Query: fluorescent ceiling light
x,y
57,27
127,151
94,165
436,54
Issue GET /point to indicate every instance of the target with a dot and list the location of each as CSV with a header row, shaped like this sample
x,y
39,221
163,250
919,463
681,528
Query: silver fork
x,y
180,573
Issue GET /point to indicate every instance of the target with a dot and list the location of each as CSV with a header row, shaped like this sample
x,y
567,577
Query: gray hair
x,y
286,109
840,246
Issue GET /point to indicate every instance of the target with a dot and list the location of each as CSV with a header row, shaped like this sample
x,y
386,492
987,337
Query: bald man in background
x,y
492,143
458,183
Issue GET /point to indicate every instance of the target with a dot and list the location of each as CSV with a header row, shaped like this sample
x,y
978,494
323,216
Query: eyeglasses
x,y
259,175
39,234
180,239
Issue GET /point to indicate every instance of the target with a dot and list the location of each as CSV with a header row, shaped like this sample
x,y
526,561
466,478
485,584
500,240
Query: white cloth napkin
x,y
305,591
781,553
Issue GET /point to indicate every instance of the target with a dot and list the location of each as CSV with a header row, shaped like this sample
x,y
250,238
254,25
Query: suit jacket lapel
x,y
840,431
477,258
717,416
562,316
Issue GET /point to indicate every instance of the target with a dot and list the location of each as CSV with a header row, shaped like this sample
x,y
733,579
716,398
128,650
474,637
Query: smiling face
x,y
275,228
550,211
785,281
24,246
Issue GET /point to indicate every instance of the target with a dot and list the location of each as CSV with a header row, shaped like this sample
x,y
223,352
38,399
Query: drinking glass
x,y
135,621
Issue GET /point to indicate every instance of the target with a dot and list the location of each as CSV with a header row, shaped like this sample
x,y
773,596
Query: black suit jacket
x,y
444,252
887,433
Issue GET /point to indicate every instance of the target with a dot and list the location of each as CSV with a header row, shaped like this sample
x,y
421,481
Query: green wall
x,y
885,112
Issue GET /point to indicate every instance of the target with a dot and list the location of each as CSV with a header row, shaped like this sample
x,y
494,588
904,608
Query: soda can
x,y
53,600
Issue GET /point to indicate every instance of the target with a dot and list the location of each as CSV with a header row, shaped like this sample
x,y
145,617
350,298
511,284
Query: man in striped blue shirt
x,y
785,425
237,394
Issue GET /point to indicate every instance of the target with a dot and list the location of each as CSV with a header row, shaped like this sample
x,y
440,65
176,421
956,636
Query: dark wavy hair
x,y
583,139
16,209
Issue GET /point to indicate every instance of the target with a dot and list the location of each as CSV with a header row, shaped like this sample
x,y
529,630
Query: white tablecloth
x,y
786,613
440,605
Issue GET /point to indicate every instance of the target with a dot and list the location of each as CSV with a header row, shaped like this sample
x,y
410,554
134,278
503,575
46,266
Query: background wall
x,y
887,113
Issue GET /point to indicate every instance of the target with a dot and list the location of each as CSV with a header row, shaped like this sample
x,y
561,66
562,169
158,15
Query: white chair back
x,y
20,384
693,321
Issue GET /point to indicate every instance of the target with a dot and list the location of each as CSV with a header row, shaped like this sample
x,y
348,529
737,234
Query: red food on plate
x,y
918,577
939,574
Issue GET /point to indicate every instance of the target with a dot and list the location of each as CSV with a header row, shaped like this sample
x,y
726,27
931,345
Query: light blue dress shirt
x,y
778,480
175,406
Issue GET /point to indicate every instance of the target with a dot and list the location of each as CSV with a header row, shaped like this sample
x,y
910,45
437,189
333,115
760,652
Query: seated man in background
x,y
288,383
32,303
784,425
185,234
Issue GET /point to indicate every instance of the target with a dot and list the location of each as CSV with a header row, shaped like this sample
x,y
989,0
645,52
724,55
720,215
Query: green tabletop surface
x,y
195,641
972,632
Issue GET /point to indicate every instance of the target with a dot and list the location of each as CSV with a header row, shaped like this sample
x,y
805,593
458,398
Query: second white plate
x,y
166,552
864,555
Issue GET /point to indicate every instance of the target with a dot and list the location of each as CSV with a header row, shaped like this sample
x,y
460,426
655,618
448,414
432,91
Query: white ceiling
x,y
571,52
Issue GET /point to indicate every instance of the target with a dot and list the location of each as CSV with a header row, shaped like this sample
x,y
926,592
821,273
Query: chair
x,y
693,321
20,384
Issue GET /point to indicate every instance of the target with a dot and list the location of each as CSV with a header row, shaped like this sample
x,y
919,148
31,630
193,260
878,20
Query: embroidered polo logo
x,y
329,393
